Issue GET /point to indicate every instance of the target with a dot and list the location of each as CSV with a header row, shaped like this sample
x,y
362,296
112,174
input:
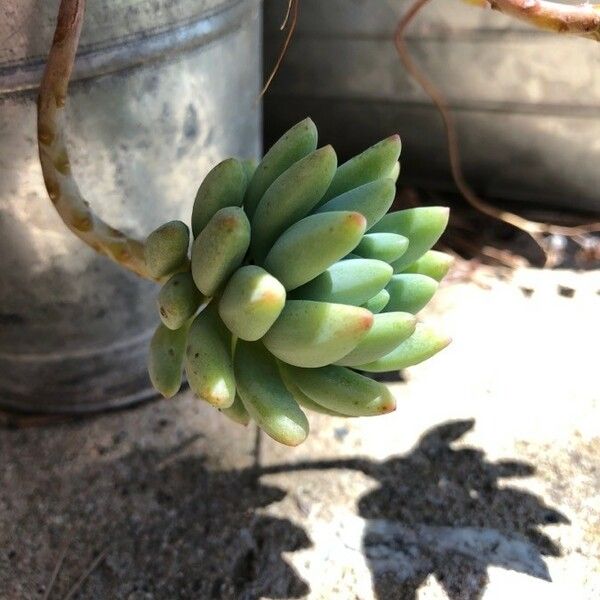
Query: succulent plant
x,y
298,281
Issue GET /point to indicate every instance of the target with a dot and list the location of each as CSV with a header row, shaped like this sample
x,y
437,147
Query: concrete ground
x,y
483,484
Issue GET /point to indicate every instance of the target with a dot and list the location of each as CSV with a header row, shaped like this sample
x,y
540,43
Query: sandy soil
x,y
483,484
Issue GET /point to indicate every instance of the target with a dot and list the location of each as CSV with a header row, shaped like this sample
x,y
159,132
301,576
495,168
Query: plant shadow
x,y
449,513
446,512
173,527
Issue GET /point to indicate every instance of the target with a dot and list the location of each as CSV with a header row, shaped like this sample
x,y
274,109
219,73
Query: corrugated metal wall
x,y
526,103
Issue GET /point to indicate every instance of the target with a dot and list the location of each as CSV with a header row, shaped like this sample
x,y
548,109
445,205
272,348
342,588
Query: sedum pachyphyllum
x,y
298,283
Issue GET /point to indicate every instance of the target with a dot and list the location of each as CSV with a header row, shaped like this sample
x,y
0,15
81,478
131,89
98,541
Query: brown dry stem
x,y
57,567
62,188
535,229
576,19
291,17
88,571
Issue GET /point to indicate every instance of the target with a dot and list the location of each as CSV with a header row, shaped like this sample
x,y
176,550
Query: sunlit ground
x,y
483,483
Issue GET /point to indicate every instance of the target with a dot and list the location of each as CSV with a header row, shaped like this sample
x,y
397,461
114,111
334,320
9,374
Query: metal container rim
x,y
106,59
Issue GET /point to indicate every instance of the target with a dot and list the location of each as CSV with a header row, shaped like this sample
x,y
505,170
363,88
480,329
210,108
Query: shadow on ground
x,y
172,528
448,512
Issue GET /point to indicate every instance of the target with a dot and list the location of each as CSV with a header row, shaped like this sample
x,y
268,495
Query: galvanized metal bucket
x,y
162,91
525,102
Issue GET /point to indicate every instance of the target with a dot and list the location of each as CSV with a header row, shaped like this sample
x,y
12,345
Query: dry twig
x,y
62,188
535,229
90,569
59,562
292,11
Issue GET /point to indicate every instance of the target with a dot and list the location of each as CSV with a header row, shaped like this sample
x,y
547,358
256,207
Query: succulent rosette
x,y
298,283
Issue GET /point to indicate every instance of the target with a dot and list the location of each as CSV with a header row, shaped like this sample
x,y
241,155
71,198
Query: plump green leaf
x,y
224,186
378,302
410,292
372,200
237,412
208,363
388,331
178,300
290,198
374,163
423,227
421,345
301,398
165,359
382,246
313,334
219,249
293,145
265,396
344,391
166,248
312,245
434,264
251,302
351,281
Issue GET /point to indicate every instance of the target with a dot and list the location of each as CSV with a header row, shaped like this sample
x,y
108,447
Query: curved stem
x,y
62,188
577,19
534,228
292,12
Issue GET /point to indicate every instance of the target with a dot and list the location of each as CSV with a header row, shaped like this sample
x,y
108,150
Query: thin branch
x,y
292,10
257,449
59,562
62,188
90,569
287,15
576,19
534,228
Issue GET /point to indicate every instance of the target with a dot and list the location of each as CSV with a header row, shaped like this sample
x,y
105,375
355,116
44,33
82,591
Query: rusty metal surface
x,y
175,99
526,102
